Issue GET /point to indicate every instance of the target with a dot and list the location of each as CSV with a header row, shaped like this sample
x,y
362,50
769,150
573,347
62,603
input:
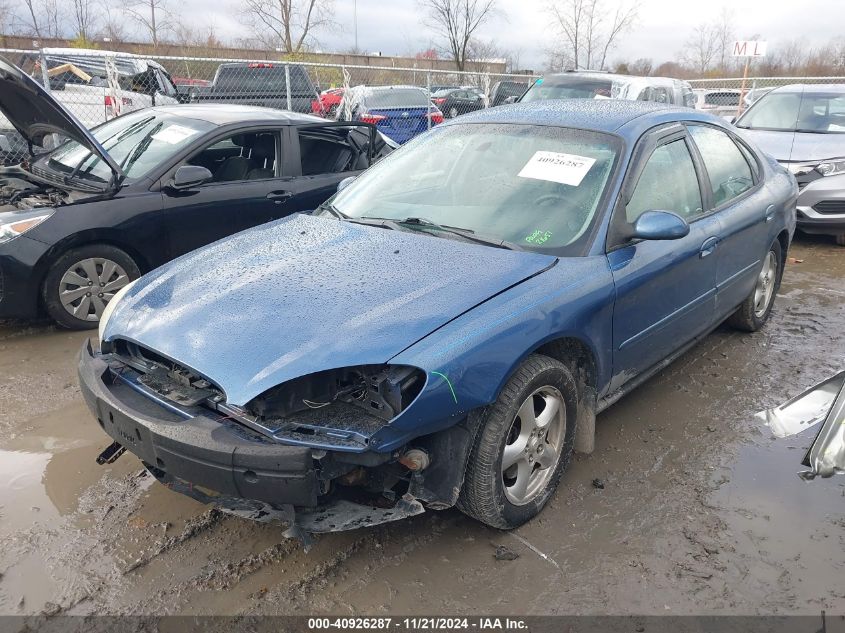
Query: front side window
x,y
539,187
246,156
668,182
727,168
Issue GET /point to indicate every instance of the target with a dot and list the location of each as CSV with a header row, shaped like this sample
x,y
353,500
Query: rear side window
x,y
727,168
668,183
333,150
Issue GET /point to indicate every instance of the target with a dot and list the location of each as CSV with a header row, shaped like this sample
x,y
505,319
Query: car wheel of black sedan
x,y
755,310
523,445
82,281
840,239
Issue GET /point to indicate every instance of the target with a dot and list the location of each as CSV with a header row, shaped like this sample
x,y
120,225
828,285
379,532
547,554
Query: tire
x,y
840,239
489,494
752,315
77,265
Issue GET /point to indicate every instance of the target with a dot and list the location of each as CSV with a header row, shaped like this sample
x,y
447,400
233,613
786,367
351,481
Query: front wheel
x,y
81,282
755,310
523,445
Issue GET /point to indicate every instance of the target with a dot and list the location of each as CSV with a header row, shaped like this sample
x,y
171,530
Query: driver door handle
x,y
770,213
279,196
708,246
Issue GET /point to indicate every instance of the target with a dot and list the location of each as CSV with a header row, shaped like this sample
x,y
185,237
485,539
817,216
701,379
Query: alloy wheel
x,y
88,285
533,446
765,289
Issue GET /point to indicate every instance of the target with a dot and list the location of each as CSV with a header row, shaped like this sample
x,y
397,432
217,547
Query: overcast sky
x,y
395,27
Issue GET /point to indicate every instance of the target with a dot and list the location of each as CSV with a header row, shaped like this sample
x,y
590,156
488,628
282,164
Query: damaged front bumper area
x,y
215,459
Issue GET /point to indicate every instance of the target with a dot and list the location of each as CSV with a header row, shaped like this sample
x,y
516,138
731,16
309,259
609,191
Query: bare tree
x,y
152,16
112,24
723,33
84,18
41,18
590,29
287,24
701,48
456,21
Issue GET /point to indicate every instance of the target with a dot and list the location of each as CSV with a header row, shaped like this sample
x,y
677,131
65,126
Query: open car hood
x,y
307,294
35,114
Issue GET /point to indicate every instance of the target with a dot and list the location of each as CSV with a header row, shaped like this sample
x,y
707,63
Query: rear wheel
x,y
755,310
82,281
840,239
523,446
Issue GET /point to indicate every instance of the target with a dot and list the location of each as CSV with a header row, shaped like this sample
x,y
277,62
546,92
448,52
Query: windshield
x,y
138,142
568,88
396,98
813,112
537,187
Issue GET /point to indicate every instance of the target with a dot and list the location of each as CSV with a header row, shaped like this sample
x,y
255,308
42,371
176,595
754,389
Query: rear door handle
x,y
708,246
279,196
770,213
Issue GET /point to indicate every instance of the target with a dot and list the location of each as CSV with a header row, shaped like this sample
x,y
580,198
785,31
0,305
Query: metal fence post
x,y
44,74
428,93
287,84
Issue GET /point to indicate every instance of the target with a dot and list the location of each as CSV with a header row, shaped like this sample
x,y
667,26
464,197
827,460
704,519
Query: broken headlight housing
x,y
340,407
383,391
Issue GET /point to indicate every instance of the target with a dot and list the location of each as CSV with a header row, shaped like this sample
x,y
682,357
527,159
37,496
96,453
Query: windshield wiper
x,y
340,215
467,234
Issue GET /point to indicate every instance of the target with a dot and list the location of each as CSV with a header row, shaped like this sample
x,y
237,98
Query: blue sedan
x,y
443,330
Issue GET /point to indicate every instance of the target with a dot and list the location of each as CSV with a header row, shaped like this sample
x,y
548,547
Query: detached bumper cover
x,y
218,455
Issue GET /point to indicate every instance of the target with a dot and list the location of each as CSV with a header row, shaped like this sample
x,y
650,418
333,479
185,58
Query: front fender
x,y
469,360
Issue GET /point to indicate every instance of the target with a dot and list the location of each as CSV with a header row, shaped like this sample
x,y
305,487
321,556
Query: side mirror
x,y
732,120
660,225
188,176
343,184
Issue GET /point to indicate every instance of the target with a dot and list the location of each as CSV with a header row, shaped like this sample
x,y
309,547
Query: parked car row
x,y
382,332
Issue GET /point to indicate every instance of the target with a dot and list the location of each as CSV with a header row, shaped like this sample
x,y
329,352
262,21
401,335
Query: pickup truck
x,y
258,83
79,80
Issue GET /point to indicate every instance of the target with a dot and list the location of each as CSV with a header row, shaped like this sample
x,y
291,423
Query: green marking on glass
x,y
448,382
539,237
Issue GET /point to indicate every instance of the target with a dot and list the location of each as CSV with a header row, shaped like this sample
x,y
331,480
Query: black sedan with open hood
x,y
81,221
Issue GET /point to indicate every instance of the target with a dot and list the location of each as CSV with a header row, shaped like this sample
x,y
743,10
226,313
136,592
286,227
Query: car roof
x,y
602,115
835,88
593,74
227,113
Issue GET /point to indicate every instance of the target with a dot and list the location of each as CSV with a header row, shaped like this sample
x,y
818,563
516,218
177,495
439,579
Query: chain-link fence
x,y
97,86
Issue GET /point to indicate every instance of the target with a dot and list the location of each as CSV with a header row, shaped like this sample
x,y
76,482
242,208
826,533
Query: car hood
x,y
34,113
800,147
306,294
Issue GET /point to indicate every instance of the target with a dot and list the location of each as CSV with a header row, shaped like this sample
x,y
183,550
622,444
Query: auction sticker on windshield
x,y
174,134
567,169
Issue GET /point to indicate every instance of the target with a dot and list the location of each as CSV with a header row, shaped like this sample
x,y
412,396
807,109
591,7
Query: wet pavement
x,y
701,509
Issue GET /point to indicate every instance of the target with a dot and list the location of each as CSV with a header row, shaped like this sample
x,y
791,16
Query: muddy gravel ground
x,y
701,510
